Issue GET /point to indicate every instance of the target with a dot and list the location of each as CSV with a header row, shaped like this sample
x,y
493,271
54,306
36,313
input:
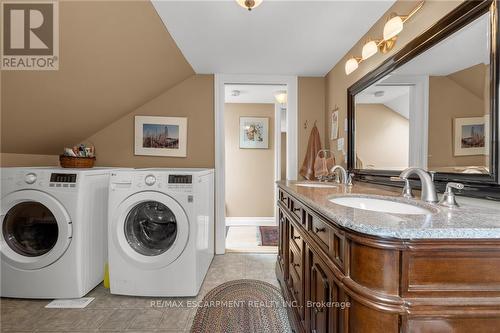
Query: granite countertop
x,y
467,221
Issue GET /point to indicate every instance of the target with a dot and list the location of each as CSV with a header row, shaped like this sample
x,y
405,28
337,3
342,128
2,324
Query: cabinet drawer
x,y
296,209
295,279
320,231
283,198
295,260
295,237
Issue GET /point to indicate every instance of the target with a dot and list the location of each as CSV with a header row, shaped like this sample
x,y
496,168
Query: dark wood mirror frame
x,y
480,186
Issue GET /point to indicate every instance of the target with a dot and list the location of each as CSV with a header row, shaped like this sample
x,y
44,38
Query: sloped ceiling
x,y
114,57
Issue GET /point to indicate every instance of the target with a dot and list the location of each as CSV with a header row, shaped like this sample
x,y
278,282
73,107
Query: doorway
x,y
250,120
251,154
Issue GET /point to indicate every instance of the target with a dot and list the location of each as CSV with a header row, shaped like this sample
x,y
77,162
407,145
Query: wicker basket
x,y
76,162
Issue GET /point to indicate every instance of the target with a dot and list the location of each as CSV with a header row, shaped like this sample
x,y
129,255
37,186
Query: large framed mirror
x,y
433,105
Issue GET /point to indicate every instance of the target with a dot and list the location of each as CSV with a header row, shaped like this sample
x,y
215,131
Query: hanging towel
x,y
313,147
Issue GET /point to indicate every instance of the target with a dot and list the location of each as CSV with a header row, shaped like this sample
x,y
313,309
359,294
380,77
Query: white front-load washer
x,y
161,231
54,231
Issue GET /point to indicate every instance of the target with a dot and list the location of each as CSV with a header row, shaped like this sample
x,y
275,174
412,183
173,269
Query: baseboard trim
x,y
250,221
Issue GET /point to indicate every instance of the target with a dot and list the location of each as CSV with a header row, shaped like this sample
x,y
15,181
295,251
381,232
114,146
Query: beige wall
x,y
249,172
382,137
114,57
450,98
337,81
311,108
25,160
283,155
192,98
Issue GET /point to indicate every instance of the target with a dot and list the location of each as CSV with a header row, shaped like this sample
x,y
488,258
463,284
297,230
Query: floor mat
x,y
72,303
269,235
242,306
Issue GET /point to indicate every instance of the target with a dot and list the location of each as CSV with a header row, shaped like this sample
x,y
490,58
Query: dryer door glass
x,y
30,229
150,228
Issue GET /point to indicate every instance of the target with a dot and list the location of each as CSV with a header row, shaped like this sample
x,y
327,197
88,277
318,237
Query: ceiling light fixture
x,y
281,97
249,4
392,29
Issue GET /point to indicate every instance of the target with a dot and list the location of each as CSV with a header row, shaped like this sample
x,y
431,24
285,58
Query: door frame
x,y
220,80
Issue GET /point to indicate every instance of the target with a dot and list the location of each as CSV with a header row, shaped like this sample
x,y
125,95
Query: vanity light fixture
x,y
352,64
369,49
392,28
249,4
281,97
394,25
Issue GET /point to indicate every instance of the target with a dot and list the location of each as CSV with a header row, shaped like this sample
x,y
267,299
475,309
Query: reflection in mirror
x,y
432,112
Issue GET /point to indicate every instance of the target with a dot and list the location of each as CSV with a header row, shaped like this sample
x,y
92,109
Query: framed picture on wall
x,y
254,132
334,134
471,136
161,136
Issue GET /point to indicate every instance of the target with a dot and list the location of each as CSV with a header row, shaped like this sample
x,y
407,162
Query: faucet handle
x,y
349,179
448,199
407,192
458,186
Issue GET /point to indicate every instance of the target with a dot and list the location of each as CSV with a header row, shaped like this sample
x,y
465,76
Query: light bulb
x,y
393,27
351,65
369,49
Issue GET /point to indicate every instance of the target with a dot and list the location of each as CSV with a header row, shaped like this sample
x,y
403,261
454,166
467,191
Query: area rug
x,y
242,306
269,235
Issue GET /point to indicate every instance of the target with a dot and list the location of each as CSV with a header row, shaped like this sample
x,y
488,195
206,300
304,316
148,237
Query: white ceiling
x,y
278,37
251,93
467,47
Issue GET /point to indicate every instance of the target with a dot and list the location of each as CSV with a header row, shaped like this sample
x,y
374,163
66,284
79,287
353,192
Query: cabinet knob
x,y
296,265
296,237
296,209
316,229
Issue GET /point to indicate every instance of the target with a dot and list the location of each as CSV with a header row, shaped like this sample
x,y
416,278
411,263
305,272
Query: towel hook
x,y
306,122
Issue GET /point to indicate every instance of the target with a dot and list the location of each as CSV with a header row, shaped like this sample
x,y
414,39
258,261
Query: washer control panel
x,y
62,180
180,179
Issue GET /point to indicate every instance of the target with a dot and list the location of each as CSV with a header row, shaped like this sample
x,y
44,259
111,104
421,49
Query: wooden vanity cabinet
x,y
338,280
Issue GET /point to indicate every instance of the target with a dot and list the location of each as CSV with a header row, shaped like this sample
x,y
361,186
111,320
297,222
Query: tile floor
x,y
112,313
246,239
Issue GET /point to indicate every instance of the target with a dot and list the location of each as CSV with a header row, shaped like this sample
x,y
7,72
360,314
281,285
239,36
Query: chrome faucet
x,y
343,173
428,190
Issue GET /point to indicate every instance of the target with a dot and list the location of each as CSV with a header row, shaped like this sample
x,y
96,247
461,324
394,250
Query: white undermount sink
x,y
380,205
316,184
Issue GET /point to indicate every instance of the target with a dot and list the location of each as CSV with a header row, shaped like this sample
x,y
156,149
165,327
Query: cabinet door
x,y
324,297
283,244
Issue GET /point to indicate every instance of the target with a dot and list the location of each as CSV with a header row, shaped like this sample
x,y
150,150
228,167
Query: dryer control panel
x,y
180,179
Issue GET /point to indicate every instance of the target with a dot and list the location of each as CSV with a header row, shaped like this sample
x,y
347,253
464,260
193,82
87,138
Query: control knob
x,y
30,178
150,180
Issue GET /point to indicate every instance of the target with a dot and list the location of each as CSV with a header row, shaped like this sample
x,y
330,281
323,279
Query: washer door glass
x,y
30,229
150,228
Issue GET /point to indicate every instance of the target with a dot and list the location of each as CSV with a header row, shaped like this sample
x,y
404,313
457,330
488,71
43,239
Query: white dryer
x,y
161,231
53,242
